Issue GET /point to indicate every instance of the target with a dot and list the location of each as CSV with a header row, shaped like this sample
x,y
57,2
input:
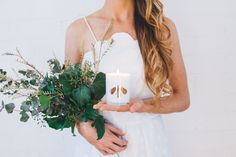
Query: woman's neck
x,y
119,10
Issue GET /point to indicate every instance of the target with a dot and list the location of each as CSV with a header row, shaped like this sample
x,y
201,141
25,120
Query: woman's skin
x,y
79,39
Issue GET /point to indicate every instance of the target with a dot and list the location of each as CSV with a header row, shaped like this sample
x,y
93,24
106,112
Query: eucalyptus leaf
x,y
55,66
48,84
33,82
9,107
24,116
23,72
34,113
3,72
25,107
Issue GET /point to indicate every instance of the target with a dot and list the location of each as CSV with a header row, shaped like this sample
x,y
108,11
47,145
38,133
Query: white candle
x,y
117,88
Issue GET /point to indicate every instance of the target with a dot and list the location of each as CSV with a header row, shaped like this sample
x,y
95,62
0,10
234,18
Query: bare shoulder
x,y
79,26
74,41
173,32
75,28
170,24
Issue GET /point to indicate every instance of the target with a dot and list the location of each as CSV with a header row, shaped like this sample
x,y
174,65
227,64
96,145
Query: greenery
x,y
61,97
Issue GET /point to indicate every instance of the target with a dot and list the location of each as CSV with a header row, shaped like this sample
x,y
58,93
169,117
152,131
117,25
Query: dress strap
x,y
90,29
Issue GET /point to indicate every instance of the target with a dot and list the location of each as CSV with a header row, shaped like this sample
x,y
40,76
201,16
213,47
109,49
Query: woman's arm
x,y
72,46
178,101
110,143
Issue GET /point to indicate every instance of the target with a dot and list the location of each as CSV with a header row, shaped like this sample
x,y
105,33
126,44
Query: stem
x,y
27,63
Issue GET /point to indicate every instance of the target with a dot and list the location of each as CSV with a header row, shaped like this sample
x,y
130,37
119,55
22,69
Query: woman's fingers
x,y
120,142
107,107
123,108
135,105
117,148
109,150
109,140
115,130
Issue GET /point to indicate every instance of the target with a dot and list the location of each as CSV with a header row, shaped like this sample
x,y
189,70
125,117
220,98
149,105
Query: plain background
x,y
207,34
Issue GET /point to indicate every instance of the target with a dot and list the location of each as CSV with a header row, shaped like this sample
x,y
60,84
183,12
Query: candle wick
x,y
117,91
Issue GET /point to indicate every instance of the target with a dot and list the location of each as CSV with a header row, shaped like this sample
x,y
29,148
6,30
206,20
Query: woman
x,y
145,45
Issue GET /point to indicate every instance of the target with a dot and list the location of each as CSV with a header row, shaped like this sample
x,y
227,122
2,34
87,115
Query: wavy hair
x,y
154,41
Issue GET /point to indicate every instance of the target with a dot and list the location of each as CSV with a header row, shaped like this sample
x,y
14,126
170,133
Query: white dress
x,y
145,132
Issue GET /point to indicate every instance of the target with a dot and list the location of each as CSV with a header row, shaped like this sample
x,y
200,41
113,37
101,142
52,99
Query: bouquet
x,y
61,97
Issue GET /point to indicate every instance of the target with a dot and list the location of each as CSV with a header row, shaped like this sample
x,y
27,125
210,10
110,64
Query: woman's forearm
x,y
167,104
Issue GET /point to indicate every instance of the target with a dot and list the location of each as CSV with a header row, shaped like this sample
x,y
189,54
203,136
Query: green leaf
x,y
29,73
73,128
58,122
99,86
33,82
85,117
71,78
44,101
10,107
10,82
55,66
67,88
81,95
25,82
99,124
91,111
34,113
22,72
3,72
24,116
25,107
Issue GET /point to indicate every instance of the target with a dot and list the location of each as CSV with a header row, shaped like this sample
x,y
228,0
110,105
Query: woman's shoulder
x,y
78,28
76,39
79,25
170,24
75,27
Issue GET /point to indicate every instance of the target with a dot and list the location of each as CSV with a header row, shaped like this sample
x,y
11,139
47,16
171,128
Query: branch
x,y
27,63
24,61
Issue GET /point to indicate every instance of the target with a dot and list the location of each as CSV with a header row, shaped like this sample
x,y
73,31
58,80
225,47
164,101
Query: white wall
x,y
206,30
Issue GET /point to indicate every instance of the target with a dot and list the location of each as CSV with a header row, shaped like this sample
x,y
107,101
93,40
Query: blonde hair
x,y
154,41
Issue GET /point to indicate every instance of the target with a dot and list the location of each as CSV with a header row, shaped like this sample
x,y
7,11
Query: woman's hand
x,y
134,105
109,144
